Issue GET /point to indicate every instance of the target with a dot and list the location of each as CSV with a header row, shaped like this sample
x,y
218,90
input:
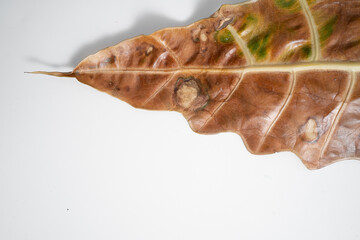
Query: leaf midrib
x,y
346,66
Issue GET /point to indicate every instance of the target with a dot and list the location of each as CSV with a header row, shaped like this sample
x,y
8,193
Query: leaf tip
x,y
55,74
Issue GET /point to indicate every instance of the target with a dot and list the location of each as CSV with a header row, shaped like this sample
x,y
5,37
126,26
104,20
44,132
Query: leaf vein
x,y
158,90
314,32
338,114
282,109
225,101
168,50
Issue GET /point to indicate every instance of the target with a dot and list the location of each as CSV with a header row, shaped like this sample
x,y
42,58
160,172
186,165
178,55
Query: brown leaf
x,y
283,74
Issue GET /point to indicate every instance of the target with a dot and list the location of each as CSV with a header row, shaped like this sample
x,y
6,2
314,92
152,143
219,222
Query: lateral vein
x,y
339,113
225,101
241,43
314,32
282,109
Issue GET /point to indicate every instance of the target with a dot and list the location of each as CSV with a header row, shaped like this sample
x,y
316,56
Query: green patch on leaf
x,y
243,27
254,44
224,36
249,20
285,3
306,51
258,45
261,54
326,30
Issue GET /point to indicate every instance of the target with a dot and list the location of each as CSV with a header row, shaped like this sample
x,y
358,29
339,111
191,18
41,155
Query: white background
x,y
76,163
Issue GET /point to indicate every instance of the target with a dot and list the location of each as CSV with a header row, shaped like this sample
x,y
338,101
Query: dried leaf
x,y
283,74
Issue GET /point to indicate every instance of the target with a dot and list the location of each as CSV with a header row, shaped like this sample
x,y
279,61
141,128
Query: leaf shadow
x,y
146,24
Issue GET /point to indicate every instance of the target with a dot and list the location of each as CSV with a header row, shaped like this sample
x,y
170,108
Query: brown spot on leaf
x,y
309,131
195,33
203,37
110,60
189,94
126,88
149,50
